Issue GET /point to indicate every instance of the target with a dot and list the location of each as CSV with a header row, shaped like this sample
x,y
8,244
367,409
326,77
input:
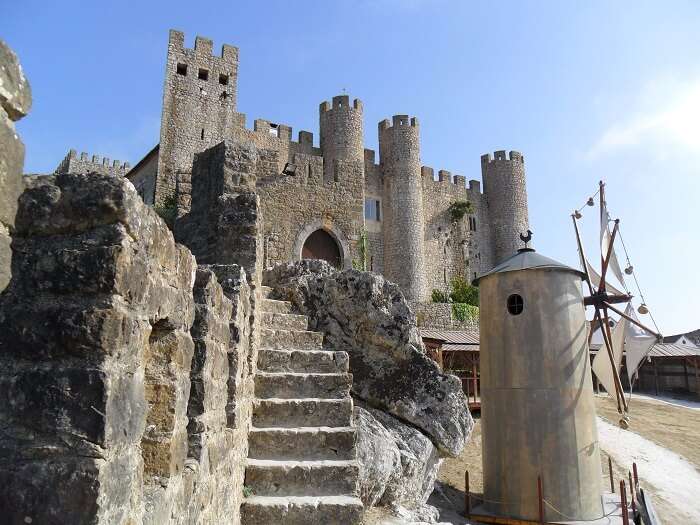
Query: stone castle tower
x,y
334,200
199,105
342,134
506,195
399,154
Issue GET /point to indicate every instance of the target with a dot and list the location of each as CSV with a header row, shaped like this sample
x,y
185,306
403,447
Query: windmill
x,y
630,332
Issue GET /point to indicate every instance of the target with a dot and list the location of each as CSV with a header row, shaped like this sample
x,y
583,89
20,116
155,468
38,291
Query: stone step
x,y
296,385
307,443
289,413
266,477
273,338
278,307
265,291
284,321
319,361
301,510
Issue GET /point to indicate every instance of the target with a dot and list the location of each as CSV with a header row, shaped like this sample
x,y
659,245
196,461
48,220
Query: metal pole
x,y
612,480
540,495
623,502
467,496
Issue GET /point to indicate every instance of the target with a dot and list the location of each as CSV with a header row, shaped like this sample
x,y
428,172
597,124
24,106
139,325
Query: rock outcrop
x,y
399,464
368,317
15,101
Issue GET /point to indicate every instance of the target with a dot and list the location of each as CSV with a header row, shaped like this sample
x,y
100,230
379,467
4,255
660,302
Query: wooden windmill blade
x,y
601,316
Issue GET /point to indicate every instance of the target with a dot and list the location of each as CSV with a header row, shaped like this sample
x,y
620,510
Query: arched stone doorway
x,y
321,245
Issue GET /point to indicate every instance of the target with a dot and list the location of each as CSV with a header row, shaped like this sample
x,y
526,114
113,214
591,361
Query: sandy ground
x,y
664,439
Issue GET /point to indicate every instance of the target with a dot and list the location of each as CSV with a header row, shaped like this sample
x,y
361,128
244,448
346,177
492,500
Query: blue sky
x,y
586,90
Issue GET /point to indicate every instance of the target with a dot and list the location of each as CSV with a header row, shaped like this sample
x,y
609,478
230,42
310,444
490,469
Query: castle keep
x,y
336,201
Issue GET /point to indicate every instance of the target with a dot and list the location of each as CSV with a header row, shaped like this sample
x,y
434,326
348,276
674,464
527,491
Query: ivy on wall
x,y
361,262
458,209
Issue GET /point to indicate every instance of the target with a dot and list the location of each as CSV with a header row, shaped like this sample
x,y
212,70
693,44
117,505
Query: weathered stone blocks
x,y
96,275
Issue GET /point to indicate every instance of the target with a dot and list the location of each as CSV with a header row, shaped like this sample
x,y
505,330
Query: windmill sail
x,y
601,362
638,343
595,279
605,237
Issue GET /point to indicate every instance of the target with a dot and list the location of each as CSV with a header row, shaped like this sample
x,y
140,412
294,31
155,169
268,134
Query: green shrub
x,y
463,312
463,292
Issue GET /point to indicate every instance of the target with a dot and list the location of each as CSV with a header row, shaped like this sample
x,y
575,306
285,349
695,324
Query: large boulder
x,y
398,464
368,317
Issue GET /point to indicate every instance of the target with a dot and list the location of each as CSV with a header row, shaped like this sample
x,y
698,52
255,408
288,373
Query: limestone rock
x,y
15,101
398,464
368,317
15,93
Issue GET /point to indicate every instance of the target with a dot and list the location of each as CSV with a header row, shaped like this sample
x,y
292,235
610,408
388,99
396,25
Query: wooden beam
x,y
633,321
607,337
583,255
606,260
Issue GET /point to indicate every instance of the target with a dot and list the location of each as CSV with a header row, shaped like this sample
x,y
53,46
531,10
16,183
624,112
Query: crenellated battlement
x,y
512,156
203,47
398,121
447,181
340,102
84,163
266,127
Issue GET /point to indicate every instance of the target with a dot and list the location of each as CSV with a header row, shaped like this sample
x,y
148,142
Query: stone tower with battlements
x,y
506,198
342,136
199,106
334,198
399,154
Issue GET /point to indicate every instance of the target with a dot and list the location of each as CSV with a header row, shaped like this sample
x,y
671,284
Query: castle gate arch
x,y
322,240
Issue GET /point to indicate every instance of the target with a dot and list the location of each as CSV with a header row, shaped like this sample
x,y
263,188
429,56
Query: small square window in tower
x,y
182,69
203,74
223,79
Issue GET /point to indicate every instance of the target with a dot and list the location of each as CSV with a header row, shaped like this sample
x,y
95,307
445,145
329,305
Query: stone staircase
x,y
301,466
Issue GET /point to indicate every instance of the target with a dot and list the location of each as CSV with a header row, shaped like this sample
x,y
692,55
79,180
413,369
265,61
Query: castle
x,y
335,201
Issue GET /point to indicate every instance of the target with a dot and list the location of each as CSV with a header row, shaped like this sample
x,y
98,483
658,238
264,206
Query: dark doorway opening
x,y
321,245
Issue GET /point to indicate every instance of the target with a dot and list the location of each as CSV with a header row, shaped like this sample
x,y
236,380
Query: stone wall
x,y
143,176
84,163
453,248
15,101
130,400
294,207
439,315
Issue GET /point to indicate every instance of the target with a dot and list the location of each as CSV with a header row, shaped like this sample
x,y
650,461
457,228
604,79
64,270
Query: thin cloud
x,y
675,122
